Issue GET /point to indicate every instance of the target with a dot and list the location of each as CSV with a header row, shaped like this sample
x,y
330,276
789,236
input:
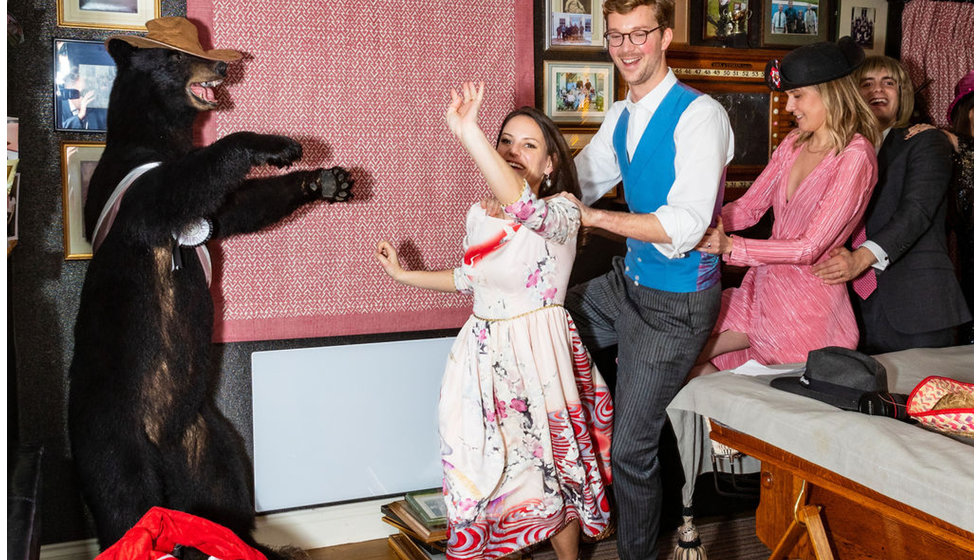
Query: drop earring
x,y
547,180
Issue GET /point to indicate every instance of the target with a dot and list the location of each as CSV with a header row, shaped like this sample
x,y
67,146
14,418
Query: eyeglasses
x,y
637,37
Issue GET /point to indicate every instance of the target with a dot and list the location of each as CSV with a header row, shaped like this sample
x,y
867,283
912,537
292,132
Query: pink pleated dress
x,y
784,309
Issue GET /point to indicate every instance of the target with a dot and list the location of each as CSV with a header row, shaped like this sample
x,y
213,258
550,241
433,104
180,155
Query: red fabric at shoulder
x,y
160,529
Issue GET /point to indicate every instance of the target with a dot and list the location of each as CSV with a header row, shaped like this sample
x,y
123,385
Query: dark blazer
x,y
918,291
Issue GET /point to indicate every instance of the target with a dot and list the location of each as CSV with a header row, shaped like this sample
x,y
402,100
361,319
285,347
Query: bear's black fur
x,y
144,427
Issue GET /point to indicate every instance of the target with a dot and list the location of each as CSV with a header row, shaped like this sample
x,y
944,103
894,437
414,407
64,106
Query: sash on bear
x,y
108,215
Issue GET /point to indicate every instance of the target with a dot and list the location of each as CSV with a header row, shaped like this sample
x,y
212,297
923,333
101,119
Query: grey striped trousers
x,y
660,335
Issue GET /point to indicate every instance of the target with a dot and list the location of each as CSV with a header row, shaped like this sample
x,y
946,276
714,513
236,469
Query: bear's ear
x,y
120,51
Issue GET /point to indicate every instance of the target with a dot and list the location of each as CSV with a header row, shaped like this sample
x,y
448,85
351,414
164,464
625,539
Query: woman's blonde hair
x,y
847,114
893,68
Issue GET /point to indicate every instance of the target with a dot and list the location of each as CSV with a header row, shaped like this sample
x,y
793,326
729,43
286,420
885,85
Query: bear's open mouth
x,y
203,92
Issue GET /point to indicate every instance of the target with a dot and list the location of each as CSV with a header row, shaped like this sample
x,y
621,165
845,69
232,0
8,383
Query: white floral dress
x,y
525,419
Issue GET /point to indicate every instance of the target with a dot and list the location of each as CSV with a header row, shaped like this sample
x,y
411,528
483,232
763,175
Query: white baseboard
x,y
308,529
324,526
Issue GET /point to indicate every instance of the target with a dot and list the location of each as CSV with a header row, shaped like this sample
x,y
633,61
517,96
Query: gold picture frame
x,y
124,14
78,161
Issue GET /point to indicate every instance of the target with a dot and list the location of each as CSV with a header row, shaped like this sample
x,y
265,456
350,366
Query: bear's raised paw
x,y
333,185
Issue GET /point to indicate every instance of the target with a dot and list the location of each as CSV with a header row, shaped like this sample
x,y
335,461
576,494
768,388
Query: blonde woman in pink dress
x,y
817,183
525,419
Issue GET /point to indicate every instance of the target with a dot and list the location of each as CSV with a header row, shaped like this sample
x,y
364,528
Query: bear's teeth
x,y
203,92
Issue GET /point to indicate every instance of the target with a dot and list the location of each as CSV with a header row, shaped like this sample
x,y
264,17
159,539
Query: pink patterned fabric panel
x,y
363,85
937,47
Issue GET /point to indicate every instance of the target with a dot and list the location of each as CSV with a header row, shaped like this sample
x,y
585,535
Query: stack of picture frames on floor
x,y
82,76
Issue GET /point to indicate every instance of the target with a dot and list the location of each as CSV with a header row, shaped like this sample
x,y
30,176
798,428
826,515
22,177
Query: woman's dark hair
x,y
960,123
564,178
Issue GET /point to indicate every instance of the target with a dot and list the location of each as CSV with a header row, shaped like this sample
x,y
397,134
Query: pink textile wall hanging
x,y
937,47
363,85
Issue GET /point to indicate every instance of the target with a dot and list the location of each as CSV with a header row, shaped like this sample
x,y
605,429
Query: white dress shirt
x,y
704,144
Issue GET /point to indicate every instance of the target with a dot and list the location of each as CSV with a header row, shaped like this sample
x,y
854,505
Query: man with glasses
x,y
669,145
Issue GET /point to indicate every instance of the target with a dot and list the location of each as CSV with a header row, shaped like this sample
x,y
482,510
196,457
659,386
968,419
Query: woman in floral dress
x,y
525,419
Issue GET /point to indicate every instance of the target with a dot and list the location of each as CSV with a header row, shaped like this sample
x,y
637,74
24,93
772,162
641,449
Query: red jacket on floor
x,y
160,530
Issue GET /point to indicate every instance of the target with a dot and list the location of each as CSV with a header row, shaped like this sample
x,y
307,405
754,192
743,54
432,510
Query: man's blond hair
x,y
662,9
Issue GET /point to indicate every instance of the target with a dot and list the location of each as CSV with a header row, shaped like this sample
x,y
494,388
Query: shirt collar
x,y
651,101
883,136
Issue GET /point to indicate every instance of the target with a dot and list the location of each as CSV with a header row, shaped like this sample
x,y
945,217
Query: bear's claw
x,y
333,185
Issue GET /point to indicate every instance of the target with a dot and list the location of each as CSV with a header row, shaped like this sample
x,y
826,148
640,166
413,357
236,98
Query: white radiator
x,y
343,423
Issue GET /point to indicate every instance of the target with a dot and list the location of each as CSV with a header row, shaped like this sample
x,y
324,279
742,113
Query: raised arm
x,y
505,184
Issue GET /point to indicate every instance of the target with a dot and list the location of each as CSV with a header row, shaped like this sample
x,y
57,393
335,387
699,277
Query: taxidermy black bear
x,y
144,427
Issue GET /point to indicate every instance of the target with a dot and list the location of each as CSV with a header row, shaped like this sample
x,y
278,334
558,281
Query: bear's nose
x,y
221,68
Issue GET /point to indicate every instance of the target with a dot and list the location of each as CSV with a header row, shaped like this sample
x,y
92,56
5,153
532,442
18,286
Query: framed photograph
x,y
13,196
574,24
11,173
578,92
577,137
429,505
725,23
83,75
107,14
790,23
866,21
78,161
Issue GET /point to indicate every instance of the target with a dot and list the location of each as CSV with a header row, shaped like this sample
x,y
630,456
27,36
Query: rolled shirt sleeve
x,y
705,144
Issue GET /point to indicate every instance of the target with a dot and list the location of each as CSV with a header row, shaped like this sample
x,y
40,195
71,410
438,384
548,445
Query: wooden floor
x,y
377,549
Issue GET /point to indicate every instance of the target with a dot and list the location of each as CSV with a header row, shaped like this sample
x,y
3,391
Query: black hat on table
x,y
813,64
837,376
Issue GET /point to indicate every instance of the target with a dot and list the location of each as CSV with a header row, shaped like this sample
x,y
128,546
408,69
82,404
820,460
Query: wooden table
x,y
860,523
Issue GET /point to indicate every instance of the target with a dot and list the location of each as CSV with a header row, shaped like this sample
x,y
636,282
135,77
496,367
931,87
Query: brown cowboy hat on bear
x,y
175,33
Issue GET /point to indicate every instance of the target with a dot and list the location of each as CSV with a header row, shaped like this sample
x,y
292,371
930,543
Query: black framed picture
x,y
83,75
725,23
791,23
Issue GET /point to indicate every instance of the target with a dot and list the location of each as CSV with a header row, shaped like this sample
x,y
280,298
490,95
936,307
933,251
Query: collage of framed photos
x,y
788,23
82,77
577,81
577,78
